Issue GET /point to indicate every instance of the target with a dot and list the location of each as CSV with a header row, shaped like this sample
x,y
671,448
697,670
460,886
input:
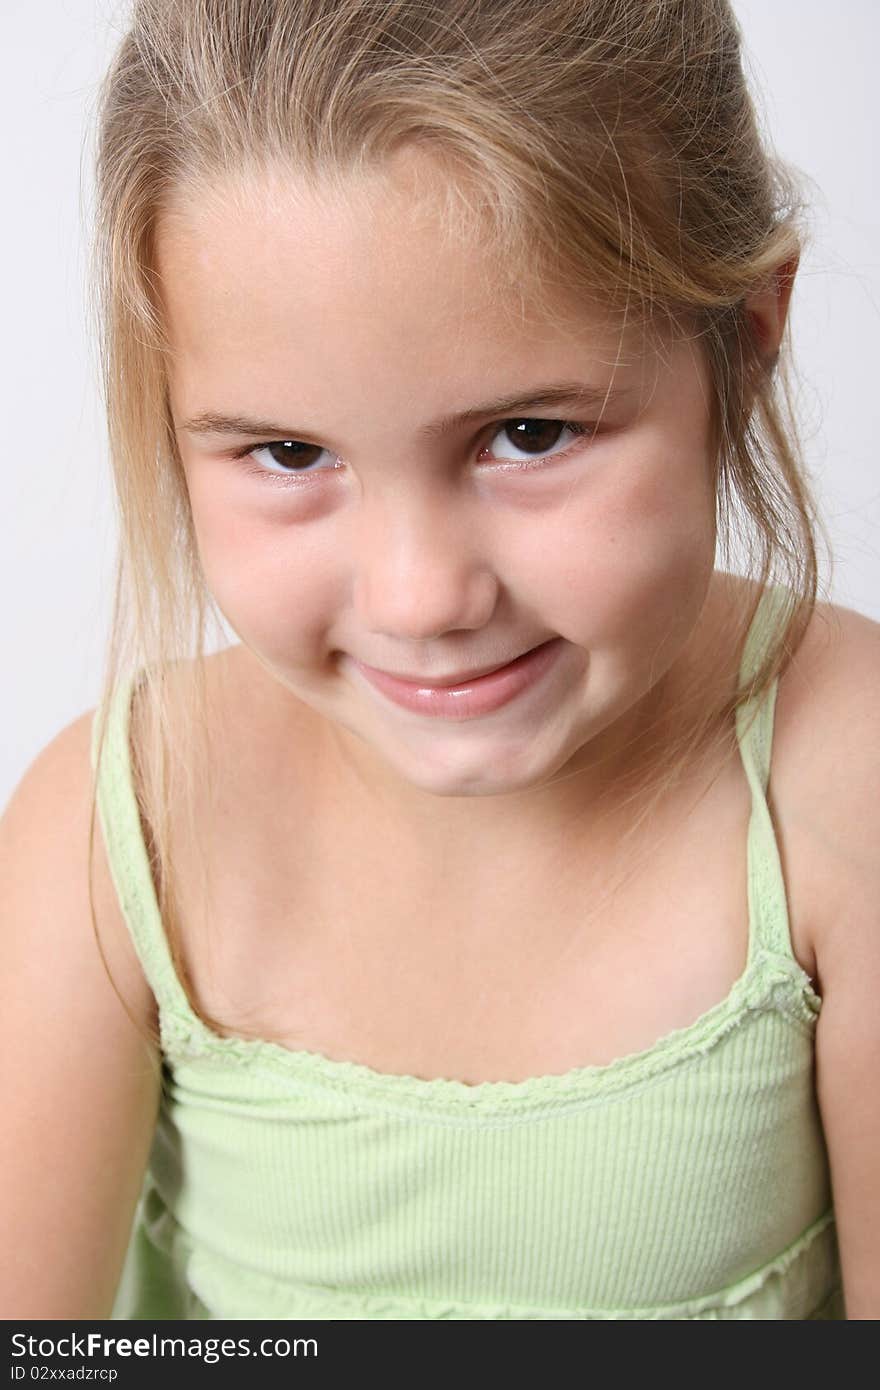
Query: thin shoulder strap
x,y
768,907
129,862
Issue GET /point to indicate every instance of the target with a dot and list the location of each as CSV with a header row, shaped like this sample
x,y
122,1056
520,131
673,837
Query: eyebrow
x,y
211,422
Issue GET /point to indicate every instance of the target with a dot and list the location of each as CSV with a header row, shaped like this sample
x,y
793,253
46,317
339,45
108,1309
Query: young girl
x,y
496,920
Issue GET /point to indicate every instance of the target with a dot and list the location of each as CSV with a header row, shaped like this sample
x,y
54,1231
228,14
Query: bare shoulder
x,y
80,1080
832,719
826,756
47,820
827,717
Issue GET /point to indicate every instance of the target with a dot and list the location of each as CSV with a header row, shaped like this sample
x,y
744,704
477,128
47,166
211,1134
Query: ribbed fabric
x,y
689,1180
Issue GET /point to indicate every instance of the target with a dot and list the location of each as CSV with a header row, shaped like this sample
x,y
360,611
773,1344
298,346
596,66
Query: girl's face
x,y
385,511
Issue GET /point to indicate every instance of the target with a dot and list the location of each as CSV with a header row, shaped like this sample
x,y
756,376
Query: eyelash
x,y
578,428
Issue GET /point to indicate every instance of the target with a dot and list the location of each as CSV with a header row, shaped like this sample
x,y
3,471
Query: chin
x,y
497,773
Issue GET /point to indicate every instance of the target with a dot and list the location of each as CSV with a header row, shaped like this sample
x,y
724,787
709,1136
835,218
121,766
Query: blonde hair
x,y
606,147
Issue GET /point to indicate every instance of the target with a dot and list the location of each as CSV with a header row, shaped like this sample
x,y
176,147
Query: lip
x,y
471,696
462,678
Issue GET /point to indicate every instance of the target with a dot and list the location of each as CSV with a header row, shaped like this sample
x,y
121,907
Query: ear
x,y
767,309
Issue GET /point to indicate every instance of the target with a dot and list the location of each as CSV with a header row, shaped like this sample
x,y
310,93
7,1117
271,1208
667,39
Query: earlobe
x,y
767,309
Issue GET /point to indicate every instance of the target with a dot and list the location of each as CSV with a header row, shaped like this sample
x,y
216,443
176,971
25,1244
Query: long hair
x,y
606,147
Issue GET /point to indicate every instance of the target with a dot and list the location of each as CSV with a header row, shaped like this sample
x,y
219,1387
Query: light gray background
x,y
814,64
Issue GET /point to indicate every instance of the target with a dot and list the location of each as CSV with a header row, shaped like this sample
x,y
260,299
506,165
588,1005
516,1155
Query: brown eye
x,y
533,438
291,454
535,435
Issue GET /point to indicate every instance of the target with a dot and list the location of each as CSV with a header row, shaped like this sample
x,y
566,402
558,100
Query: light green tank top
x,y
689,1180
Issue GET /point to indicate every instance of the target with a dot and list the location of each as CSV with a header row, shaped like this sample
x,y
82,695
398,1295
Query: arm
x,y
80,1085
847,782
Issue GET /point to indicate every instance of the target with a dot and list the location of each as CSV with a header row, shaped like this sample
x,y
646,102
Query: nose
x,y
421,569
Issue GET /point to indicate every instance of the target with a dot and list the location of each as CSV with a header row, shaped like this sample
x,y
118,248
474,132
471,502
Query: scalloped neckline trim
x,y
769,983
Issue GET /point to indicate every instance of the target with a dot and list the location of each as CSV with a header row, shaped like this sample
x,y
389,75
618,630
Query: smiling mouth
x,y
472,696
461,679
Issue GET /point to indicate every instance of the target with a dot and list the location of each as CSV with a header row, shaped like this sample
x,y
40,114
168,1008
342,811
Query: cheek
x,y
635,558
271,578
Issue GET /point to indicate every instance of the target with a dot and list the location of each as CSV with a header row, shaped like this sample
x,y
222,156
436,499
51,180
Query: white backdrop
x,y
814,64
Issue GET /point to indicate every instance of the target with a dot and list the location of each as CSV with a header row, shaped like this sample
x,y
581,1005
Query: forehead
x,y
357,276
